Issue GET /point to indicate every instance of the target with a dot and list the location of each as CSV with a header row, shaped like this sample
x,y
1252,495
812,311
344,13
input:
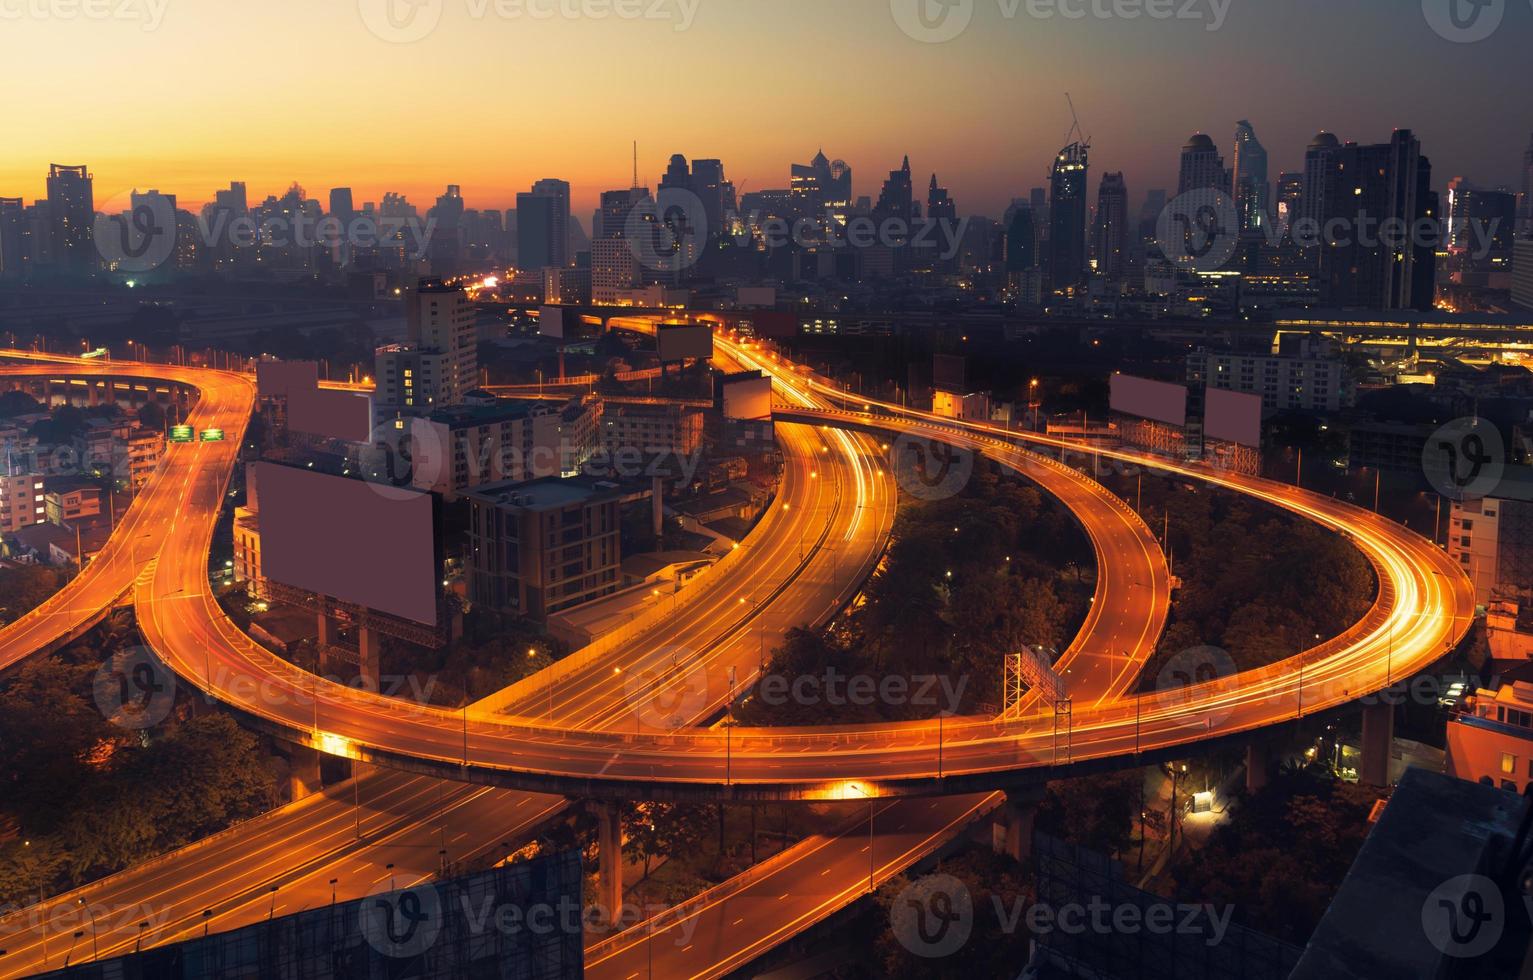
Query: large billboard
x,y
1232,417
1155,400
355,541
330,414
680,343
950,372
279,379
551,322
748,396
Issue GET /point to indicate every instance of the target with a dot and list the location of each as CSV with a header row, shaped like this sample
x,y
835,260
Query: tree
x,y
24,589
14,403
152,416
48,735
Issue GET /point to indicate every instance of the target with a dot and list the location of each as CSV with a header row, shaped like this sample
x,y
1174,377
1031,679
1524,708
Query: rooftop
x,y
546,494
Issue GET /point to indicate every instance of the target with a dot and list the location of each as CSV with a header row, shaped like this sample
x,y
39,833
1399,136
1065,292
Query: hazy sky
x,y
185,95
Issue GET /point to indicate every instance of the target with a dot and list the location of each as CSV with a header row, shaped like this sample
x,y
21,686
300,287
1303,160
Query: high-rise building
x,y
821,185
1250,185
1480,229
1109,240
446,245
341,204
71,215
1067,218
439,365
939,203
1316,170
614,259
543,225
1202,166
896,200
1290,198
1522,273
717,194
13,237
1527,189
1366,190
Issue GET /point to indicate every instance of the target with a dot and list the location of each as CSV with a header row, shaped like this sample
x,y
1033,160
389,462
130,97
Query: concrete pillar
x,y
657,510
327,631
1258,765
1020,813
1378,743
303,771
609,850
369,658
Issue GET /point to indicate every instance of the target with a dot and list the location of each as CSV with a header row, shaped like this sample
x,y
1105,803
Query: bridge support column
x,y
1258,766
609,851
303,771
369,658
1378,742
1020,813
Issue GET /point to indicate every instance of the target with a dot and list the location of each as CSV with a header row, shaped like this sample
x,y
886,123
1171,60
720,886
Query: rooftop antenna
x,y
635,163
1075,124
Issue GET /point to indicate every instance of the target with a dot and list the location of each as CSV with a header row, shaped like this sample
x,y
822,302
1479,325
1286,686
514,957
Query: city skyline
x,y
987,148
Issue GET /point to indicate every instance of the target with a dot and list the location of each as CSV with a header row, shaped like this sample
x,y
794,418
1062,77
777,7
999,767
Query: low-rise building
x,y
22,500
69,498
1303,375
542,547
1491,742
652,429
247,552
1492,538
146,447
458,448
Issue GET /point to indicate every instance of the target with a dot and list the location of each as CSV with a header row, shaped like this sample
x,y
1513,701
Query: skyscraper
x,y
341,204
1316,170
446,246
1361,265
543,223
1067,218
1109,241
1250,178
1202,166
614,261
716,192
1290,198
1527,190
13,223
71,215
896,200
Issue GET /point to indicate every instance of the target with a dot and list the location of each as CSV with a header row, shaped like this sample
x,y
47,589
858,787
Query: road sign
x,y
212,435
181,433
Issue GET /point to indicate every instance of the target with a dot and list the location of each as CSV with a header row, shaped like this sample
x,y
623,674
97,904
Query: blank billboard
x,y
1232,417
349,540
279,379
1148,399
551,322
748,397
331,414
679,343
950,372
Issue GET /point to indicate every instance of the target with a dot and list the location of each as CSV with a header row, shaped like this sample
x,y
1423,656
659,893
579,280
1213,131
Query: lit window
x,y
1508,763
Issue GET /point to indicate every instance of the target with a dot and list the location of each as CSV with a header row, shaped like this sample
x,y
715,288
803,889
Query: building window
x,y
1508,763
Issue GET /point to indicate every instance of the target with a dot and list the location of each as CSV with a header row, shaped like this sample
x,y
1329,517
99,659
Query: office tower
x,y
542,228
341,204
1527,189
896,199
71,215
1066,266
1290,198
446,245
615,250
1021,239
440,365
13,224
234,199
1364,187
1316,170
1249,179
939,203
717,194
1480,228
1202,167
1109,240
821,184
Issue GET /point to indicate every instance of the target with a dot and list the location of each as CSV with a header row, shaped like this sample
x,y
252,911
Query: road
x,y
838,511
